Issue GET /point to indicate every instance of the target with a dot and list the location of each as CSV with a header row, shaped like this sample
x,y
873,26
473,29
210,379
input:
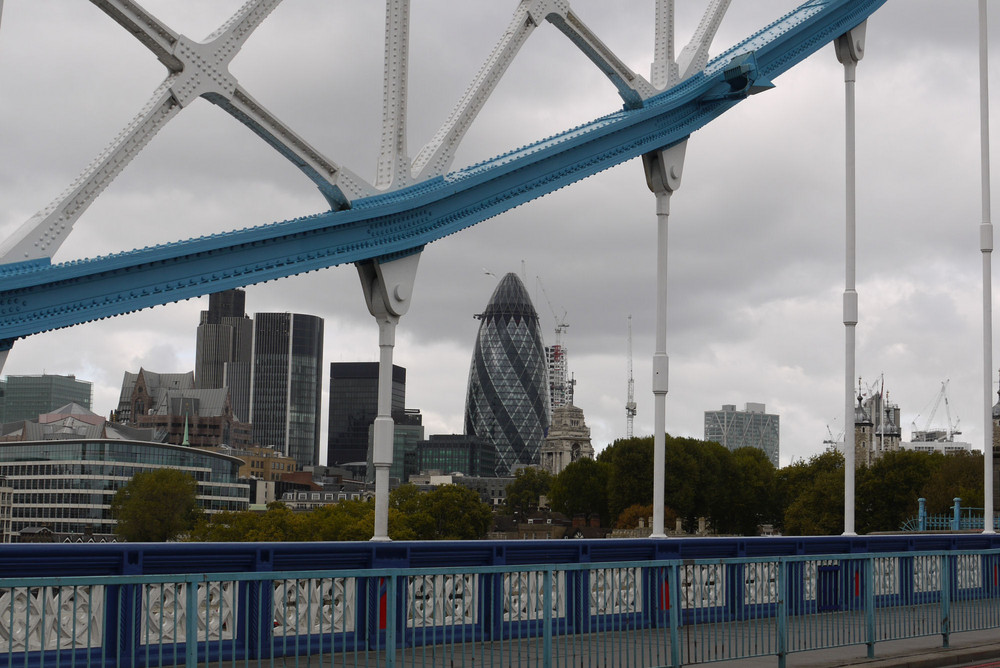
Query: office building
x,y
286,384
65,467
27,397
224,349
751,427
354,407
457,453
507,403
407,432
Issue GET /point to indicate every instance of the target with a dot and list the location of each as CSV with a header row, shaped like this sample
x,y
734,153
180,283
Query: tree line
x,y
736,491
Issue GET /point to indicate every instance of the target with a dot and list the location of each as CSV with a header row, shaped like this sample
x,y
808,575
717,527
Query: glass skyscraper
x,y
287,384
507,403
354,407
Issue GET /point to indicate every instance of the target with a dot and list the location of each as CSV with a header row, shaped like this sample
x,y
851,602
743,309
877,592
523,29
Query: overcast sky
x,y
757,229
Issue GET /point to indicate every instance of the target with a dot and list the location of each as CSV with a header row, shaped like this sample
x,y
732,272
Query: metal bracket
x,y
388,286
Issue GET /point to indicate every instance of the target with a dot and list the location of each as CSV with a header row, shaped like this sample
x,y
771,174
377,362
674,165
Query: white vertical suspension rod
x,y
986,246
850,49
663,176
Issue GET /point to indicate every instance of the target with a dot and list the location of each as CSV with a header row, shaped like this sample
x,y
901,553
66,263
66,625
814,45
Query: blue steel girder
x,y
36,296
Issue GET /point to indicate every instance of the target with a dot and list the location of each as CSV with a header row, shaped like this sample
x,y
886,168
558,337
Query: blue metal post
x,y
782,613
922,513
956,521
390,623
191,623
547,629
870,605
674,601
945,598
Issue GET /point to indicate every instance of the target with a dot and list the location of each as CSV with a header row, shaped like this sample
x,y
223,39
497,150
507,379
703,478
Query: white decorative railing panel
x,y
441,600
39,618
164,612
318,605
702,585
524,596
615,591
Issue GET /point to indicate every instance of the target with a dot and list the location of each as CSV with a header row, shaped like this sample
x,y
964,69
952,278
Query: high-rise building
x,y
751,427
507,403
560,385
224,350
286,384
354,407
27,397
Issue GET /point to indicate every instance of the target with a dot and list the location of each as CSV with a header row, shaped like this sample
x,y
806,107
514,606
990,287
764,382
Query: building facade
x,y
457,453
224,350
568,440
140,392
354,407
198,418
286,384
507,402
751,427
27,397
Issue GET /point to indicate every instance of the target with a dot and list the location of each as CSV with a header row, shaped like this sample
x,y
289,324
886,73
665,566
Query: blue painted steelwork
x,y
606,606
37,296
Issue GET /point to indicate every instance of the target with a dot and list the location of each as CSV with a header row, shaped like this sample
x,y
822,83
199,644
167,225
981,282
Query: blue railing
x,y
961,518
538,603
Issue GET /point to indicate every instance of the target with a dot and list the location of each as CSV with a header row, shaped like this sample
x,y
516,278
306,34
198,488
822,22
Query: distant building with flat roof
x,y
751,427
27,397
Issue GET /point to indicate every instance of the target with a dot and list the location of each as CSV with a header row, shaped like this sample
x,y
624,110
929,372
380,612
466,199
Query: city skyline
x,y
756,228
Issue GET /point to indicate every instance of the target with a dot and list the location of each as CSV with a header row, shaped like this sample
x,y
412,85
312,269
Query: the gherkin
x,y
507,402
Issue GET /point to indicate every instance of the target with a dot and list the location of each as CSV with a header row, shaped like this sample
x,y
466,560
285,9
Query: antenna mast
x,y
630,403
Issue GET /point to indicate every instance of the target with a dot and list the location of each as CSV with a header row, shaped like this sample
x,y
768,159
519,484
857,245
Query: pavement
x,y
979,649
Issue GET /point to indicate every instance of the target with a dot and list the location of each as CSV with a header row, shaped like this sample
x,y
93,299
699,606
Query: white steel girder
x,y
197,69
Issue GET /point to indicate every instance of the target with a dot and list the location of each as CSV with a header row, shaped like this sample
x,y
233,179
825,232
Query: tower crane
x,y
630,402
929,434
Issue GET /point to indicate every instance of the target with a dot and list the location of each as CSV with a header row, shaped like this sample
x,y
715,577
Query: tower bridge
x,y
499,596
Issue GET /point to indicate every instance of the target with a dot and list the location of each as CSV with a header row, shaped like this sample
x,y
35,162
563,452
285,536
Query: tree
x,y
582,489
630,473
887,490
529,484
156,506
814,492
458,513
629,518
959,474
751,492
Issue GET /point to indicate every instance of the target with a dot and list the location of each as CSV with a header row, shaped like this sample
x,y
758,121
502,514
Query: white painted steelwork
x,y
850,49
986,246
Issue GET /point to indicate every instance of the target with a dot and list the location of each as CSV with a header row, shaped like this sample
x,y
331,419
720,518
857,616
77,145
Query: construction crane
x,y
630,402
928,434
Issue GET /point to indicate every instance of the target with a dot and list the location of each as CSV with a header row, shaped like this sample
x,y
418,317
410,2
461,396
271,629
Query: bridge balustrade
x,y
539,603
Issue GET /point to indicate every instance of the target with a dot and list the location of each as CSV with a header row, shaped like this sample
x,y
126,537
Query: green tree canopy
x,y
959,474
156,506
887,491
582,488
752,493
814,494
529,484
630,473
